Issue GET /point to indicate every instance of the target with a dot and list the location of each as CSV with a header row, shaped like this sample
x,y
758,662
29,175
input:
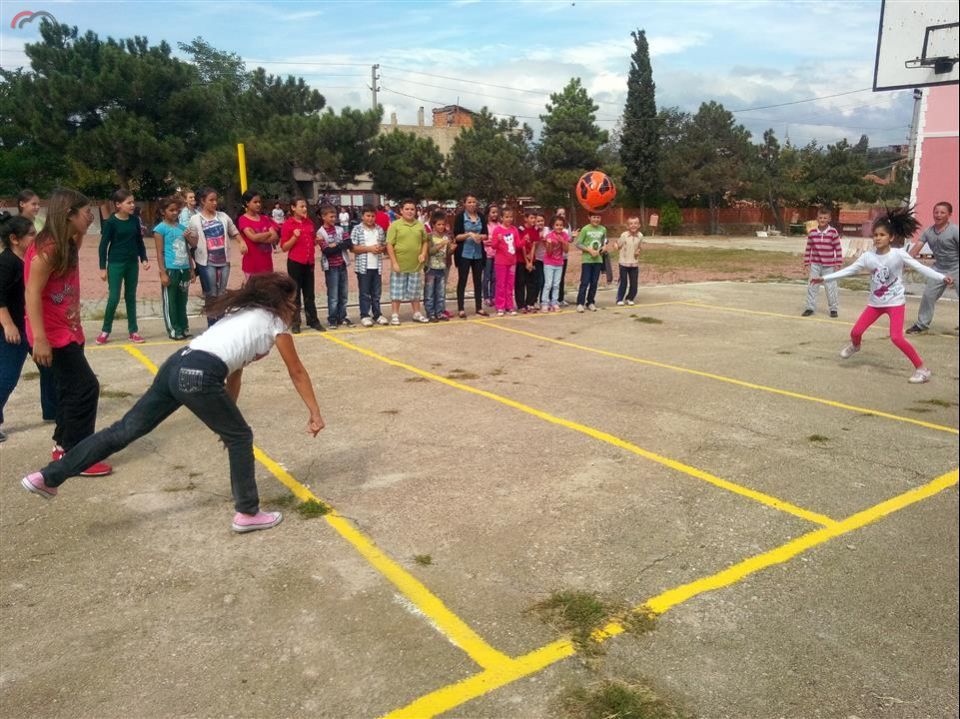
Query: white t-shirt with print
x,y
371,238
241,337
886,278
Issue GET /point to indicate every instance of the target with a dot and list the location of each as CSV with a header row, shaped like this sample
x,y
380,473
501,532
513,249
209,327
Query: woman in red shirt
x,y
297,240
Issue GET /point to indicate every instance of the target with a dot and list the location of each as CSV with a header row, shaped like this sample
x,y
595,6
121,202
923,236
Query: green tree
x,y
670,217
640,135
492,159
710,160
404,165
569,143
835,174
775,177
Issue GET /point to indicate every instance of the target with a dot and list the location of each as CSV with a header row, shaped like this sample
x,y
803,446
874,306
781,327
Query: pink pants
x,y
506,278
871,315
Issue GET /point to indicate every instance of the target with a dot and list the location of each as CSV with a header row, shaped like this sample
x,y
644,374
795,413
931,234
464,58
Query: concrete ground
x,y
792,518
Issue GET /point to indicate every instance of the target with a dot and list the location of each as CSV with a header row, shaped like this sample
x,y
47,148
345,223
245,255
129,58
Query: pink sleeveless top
x,y
61,303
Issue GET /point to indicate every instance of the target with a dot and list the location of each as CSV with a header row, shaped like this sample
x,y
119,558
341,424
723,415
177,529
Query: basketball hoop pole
x,y
242,161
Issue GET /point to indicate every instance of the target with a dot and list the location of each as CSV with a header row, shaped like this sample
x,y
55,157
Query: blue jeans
x,y
371,286
213,282
434,292
336,294
489,280
589,279
195,380
550,296
12,358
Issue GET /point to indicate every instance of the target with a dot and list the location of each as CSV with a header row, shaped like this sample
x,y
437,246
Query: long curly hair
x,y
899,222
270,291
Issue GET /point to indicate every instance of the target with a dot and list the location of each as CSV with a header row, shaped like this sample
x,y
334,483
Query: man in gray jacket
x,y
943,239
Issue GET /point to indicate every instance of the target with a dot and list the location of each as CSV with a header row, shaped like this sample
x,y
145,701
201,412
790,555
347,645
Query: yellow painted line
x,y
760,497
444,620
453,695
731,380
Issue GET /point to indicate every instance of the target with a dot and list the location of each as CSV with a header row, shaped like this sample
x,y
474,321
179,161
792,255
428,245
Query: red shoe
x,y
100,469
137,338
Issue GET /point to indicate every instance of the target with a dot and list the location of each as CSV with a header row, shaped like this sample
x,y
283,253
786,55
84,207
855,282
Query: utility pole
x,y
914,125
373,83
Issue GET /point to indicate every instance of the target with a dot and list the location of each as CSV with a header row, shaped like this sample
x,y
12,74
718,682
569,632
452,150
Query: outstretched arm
x,y
301,381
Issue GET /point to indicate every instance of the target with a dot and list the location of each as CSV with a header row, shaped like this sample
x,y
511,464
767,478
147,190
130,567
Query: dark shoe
x,y
347,323
295,329
916,330
807,313
317,326
834,314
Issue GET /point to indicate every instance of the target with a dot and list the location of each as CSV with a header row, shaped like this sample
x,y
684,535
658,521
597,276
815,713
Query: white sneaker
x,y
620,303
579,308
381,320
592,308
366,322
394,319
631,302
417,317
849,351
920,376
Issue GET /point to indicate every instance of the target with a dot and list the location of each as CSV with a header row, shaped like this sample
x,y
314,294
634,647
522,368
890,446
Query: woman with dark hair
x,y
469,234
205,378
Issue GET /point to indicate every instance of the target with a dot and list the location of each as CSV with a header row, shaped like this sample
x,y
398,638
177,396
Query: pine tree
x,y
640,136
491,159
569,143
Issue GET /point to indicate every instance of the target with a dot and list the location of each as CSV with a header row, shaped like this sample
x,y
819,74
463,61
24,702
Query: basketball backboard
x,y
918,44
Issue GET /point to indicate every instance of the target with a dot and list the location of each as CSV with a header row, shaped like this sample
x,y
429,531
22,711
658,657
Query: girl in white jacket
x,y
886,264
213,231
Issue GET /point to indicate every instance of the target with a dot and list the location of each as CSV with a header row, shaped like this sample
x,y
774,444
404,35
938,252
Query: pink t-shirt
x,y
60,300
487,248
507,243
556,243
259,256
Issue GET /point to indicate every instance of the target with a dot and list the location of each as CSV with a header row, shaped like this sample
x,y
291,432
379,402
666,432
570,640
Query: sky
x,y
510,55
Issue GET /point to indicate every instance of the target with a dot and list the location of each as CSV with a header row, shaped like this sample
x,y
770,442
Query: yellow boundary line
x,y
445,621
728,380
760,497
453,695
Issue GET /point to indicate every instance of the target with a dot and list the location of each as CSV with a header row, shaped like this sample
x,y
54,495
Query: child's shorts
x,y
405,286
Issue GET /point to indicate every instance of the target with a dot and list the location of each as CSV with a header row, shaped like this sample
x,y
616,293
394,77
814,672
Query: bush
x,y
670,218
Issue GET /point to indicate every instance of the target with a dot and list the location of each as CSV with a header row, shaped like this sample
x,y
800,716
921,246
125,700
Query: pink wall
x,y
937,174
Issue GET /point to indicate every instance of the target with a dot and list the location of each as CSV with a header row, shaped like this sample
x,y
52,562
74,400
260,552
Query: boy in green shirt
x,y
592,242
407,248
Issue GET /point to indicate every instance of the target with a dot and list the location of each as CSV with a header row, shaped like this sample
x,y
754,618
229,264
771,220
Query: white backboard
x,y
913,35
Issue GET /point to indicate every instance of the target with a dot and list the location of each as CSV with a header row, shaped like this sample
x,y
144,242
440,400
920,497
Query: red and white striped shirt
x,y
823,247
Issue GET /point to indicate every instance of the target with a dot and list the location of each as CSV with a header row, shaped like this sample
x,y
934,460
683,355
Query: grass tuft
x,y
189,486
818,438
784,352
935,402
640,620
418,378
311,509
389,411
648,320
27,376
108,393
578,613
615,699
423,560
281,500
497,372
458,374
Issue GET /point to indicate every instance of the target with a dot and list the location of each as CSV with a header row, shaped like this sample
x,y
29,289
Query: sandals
x,y
483,313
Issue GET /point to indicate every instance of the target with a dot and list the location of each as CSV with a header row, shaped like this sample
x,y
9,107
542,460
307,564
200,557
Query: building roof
x,y
453,108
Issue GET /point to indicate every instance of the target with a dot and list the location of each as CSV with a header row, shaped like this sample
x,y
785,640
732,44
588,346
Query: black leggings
x,y
78,393
476,267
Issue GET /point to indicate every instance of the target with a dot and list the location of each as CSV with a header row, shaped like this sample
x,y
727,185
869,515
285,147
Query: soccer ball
x,y
595,191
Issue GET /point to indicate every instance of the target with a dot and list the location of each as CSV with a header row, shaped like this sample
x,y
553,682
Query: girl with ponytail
x,y
886,264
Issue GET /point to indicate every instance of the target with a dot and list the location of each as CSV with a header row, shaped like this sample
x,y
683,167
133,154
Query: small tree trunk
x,y
714,215
777,212
643,213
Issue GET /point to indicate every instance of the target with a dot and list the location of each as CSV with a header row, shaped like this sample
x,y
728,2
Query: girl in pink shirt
x,y
258,233
52,276
555,249
506,243
489,272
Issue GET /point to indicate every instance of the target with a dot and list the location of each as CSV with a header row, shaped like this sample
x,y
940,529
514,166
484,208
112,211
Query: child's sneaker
x,y
580,308
513,312
619,303
443,317
318,326
433,319
366,322
34,483
446,315
394,320
920,376
849,351
806,313
631,302
136,338
417,317
3,437
103,338
347,322
592,307
381,320
100,469
252,522
499,313
834,314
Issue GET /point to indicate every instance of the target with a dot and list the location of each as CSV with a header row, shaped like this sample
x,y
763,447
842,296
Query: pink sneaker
x,y
137,338
34,483
103,338
252,522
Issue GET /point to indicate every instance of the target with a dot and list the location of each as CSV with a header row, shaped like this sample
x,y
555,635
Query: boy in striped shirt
x,y
823,255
